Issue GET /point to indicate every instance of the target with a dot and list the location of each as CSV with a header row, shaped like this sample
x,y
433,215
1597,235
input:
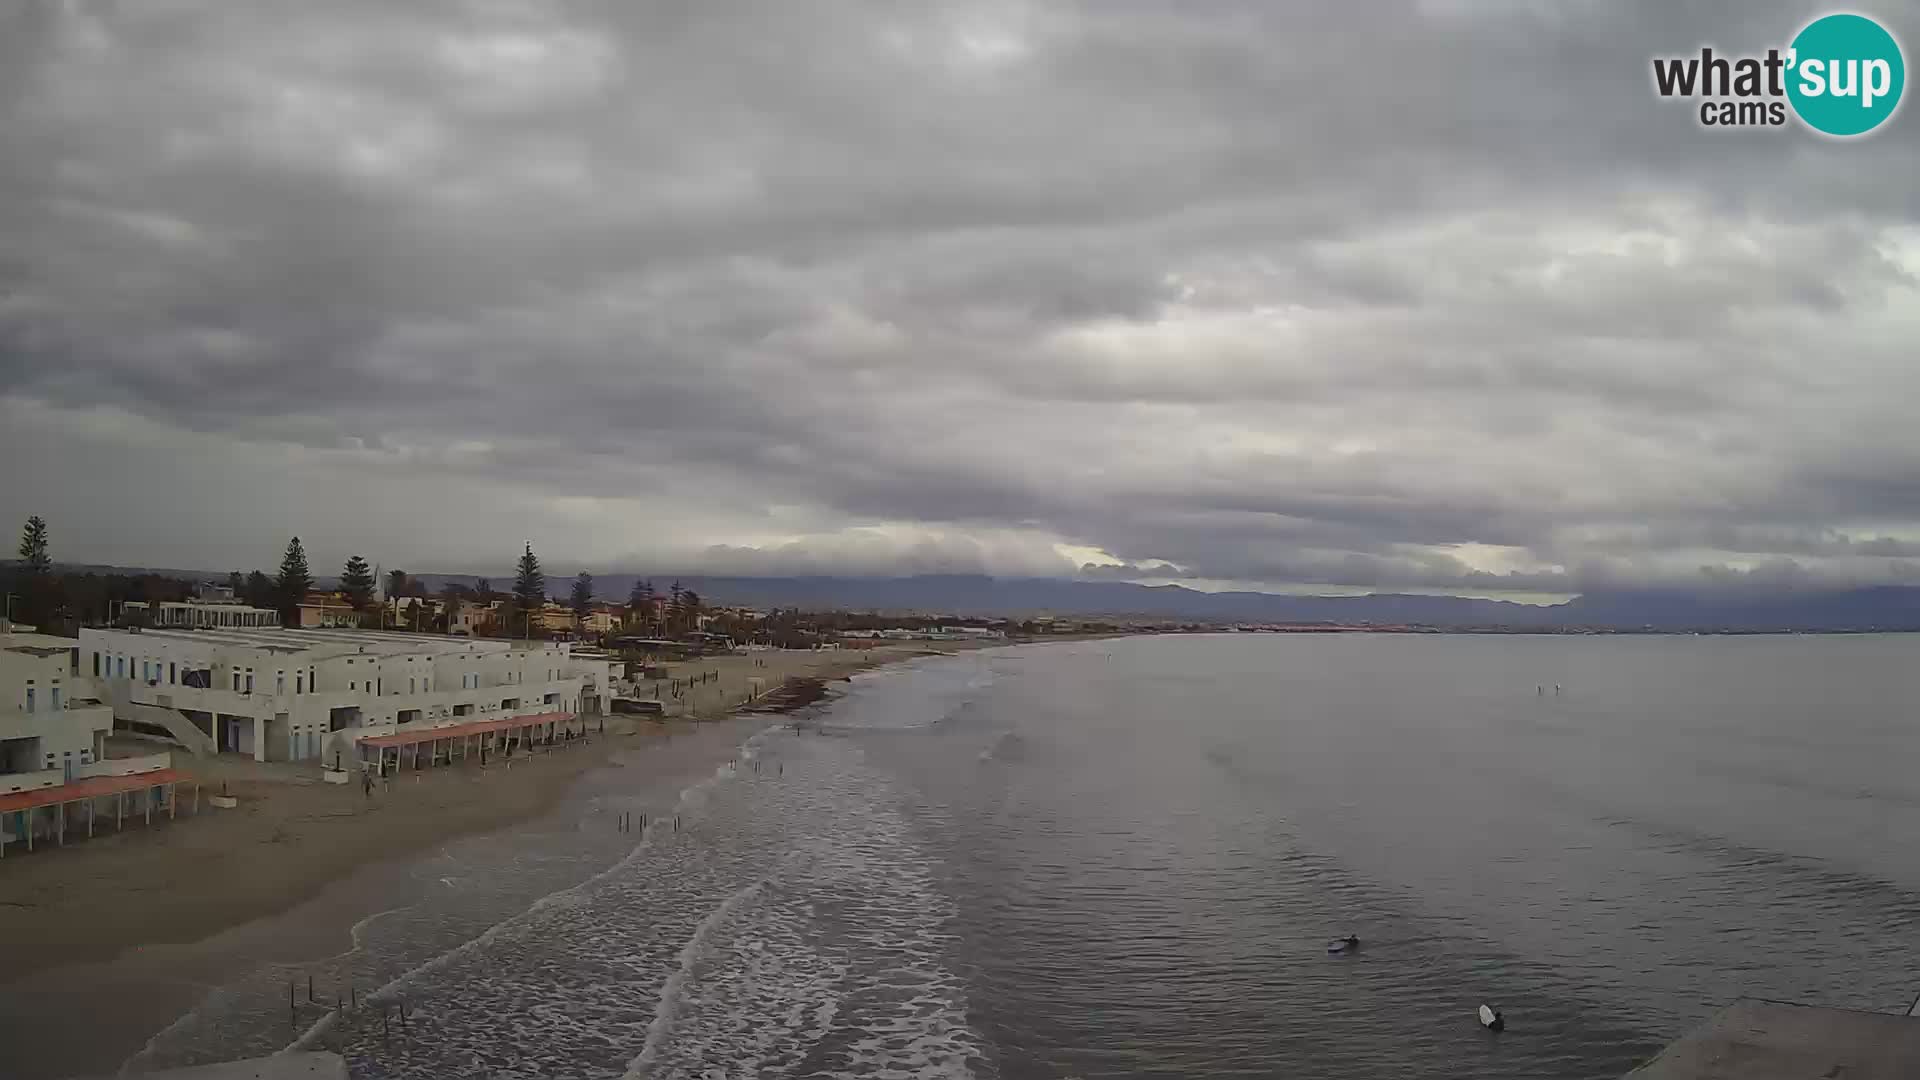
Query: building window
x,y
96,665
279,682
299,679
410,688
249,682
170,672
55,695
236,682
29,697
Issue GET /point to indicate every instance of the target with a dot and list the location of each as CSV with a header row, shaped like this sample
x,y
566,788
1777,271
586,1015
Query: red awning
x,y
460,731
93,787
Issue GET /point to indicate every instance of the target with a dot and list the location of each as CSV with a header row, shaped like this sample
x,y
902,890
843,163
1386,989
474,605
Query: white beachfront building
x,y
54,769
311,695
50,723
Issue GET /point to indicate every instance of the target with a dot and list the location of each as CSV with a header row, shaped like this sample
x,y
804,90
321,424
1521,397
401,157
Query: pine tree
x,y
33,547
235,582
690,609
294,582
529,584
450,600
640,603
676,609
36,585
356,580
396,582
483,589
258,590
582,596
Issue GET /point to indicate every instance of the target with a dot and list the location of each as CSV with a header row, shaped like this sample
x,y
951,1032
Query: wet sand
x,y
133,927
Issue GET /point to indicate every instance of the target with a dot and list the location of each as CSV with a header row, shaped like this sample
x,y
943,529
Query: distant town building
x,y
199,615
327,611
475,618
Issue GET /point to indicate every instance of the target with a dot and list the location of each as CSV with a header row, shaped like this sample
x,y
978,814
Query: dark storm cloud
x,y
1392,295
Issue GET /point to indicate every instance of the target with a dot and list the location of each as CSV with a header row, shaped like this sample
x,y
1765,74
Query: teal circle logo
x,y
1846,75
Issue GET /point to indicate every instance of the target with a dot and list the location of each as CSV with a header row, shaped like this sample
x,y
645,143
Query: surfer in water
x,y
1350,943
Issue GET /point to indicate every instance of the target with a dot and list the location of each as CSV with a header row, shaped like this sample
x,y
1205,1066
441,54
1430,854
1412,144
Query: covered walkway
x,y
143,792
457,742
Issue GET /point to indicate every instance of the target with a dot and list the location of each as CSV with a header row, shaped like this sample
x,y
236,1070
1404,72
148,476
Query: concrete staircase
x,y
183,730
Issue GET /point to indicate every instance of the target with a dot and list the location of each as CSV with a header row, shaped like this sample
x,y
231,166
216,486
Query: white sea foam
x,y
670,991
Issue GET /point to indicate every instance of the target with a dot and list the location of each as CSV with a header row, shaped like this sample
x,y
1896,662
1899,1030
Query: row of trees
x,y
57,602
40,596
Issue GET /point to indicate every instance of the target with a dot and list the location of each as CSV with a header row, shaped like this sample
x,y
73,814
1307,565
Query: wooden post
x,y
60,824
173,801
29,830
196,800
120,810
146,798
90,805
309,987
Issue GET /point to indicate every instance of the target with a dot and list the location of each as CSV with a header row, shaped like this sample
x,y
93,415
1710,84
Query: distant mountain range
x,y
1727,609
1884,608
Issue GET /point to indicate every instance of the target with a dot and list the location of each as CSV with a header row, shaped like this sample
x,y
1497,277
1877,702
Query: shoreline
x,y
154,919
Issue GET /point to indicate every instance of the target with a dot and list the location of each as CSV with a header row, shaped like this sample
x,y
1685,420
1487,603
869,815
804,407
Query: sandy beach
x,y
150,915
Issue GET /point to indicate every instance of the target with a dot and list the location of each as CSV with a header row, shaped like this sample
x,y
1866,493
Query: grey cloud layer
x,y
1410,295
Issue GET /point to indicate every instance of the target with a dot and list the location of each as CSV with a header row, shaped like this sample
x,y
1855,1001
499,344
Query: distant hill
x,y
1734,609
1884,608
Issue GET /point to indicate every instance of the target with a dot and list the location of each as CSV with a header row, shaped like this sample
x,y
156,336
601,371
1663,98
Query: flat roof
x,y
1775,1040
92,787
21,640
327,642
457,731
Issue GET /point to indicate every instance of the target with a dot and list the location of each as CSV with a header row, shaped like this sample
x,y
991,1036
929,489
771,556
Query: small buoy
x,y
1491,1019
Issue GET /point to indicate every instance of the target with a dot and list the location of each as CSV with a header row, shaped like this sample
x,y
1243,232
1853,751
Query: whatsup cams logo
x,y
1841,75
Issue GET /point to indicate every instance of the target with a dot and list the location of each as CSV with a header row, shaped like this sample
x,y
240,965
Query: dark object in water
x,y
1491,1019
1347,944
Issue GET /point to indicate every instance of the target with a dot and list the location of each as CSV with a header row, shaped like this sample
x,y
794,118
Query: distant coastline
x,y
1133,607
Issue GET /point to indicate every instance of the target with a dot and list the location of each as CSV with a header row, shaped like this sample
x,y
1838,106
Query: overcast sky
x,y
1418,295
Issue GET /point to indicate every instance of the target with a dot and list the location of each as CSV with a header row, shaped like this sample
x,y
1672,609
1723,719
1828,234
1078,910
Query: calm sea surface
x,y
1125,858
